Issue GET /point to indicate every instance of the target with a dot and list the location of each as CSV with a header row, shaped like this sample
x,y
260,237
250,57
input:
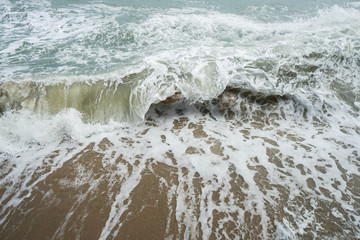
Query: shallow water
x,y
179,120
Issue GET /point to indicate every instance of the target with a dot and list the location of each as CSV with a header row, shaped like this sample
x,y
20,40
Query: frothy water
x,y
181,119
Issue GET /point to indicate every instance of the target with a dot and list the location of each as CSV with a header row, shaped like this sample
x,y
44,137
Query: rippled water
x,y
179,120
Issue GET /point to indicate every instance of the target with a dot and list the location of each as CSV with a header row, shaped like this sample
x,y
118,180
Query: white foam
x,y
22,131
355,4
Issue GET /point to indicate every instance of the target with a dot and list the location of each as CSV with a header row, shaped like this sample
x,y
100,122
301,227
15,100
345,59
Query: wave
x,y
78,122
240,122
125,95
176,61
104,101
122,64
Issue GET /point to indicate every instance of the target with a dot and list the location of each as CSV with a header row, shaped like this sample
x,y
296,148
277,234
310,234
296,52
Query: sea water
x,y
179,119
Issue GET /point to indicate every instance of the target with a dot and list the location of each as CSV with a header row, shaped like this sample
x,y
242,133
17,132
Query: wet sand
x,y
62,207
178,178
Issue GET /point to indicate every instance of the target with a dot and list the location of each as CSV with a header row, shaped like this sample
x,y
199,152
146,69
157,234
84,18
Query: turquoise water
x,y
65,37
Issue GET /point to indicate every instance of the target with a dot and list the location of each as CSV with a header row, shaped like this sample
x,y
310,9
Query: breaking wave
x,y
199,121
